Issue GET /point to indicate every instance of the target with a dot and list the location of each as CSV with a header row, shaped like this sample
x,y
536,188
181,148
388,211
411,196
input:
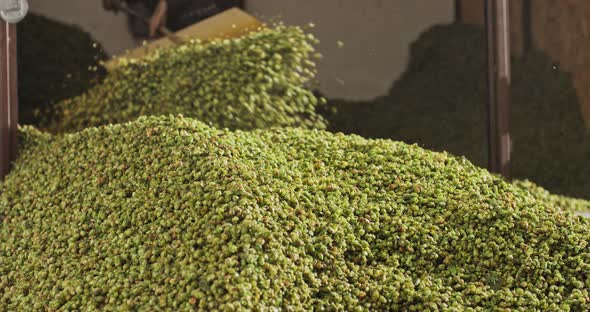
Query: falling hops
x,y
256,81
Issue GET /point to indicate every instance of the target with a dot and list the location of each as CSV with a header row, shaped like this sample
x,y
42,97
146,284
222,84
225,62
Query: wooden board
x,y
231,23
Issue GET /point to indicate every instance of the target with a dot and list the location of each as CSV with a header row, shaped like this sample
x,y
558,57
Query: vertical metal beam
x,y
498,35
8,97
13,90
527,25
491,48
4,104
458,11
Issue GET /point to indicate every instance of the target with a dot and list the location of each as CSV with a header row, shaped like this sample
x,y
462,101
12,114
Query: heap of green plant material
x,y
56,61
166,213
440,102
562,202
257,81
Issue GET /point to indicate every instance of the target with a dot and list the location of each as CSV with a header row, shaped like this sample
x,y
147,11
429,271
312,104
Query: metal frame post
x,y
527,27
8,97
498,39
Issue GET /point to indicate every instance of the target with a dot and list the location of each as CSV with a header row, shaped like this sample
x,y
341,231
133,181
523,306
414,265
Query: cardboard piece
x,y
231,23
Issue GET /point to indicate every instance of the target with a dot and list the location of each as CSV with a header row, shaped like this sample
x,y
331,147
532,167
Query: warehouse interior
x,y
281,155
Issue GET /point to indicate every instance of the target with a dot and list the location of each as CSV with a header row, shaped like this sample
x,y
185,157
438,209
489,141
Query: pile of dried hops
x,y
56,61
169,213
559,201
258,81
440,102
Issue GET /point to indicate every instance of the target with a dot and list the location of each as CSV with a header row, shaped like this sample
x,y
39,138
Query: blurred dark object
x,y
111,5
142,17
55,61
139,29
181,13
